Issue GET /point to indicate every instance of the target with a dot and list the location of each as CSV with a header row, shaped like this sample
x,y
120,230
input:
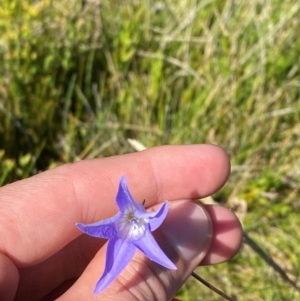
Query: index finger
x,y
38,214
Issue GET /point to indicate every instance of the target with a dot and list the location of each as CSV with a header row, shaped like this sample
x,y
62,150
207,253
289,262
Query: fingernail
x,y
188,229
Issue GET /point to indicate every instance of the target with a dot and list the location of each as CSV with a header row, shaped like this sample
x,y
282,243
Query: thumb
x,y
184,236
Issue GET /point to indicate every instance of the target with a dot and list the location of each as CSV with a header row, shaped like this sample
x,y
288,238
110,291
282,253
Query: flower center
x,y
129,226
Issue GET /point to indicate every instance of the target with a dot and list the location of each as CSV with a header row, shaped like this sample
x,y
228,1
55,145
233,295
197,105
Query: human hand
x,y
43,256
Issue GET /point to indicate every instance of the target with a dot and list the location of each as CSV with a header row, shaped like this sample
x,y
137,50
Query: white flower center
x,y
130,227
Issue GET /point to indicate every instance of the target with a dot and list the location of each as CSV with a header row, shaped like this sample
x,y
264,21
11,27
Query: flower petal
x,y
156,218
105,228
148,245
118,255
124,197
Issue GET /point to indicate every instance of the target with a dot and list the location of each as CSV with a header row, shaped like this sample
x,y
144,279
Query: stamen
x,y
129,226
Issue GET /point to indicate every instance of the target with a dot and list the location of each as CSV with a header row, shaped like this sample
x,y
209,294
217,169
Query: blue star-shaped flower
x,y
128,230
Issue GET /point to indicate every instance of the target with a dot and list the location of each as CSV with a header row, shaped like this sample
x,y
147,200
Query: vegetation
x,y
78,78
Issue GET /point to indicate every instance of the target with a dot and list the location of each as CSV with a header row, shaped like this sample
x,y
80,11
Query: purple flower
x,y
128,230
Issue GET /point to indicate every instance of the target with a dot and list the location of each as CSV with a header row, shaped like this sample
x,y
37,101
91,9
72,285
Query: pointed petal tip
x,y
79,225
173,267
124,197
167,263
123,180
102,284
98,290
158,216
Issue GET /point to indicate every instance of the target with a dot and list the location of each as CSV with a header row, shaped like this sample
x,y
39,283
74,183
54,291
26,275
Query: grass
x,y
79,78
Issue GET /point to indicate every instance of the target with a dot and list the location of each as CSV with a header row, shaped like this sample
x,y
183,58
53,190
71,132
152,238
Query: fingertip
x,y
220,160
227,235
188,171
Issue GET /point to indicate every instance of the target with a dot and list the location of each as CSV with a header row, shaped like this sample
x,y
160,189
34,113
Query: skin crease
x,y
40,249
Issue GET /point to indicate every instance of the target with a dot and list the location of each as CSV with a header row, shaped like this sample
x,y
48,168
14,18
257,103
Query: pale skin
x,y
43,256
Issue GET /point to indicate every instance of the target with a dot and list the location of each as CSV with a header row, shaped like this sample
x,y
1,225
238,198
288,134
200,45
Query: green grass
x,y
77,81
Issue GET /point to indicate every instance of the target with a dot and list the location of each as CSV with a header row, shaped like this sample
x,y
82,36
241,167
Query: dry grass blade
x,y
248,240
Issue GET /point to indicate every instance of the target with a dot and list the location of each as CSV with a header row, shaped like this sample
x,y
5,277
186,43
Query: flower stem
x,y
210,286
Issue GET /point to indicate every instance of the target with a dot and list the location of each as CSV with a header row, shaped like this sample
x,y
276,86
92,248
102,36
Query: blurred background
x,y
80,77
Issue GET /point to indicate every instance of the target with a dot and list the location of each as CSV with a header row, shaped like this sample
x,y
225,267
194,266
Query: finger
x,y
37,281
185,243
38,214
9,278
71,261
227,238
